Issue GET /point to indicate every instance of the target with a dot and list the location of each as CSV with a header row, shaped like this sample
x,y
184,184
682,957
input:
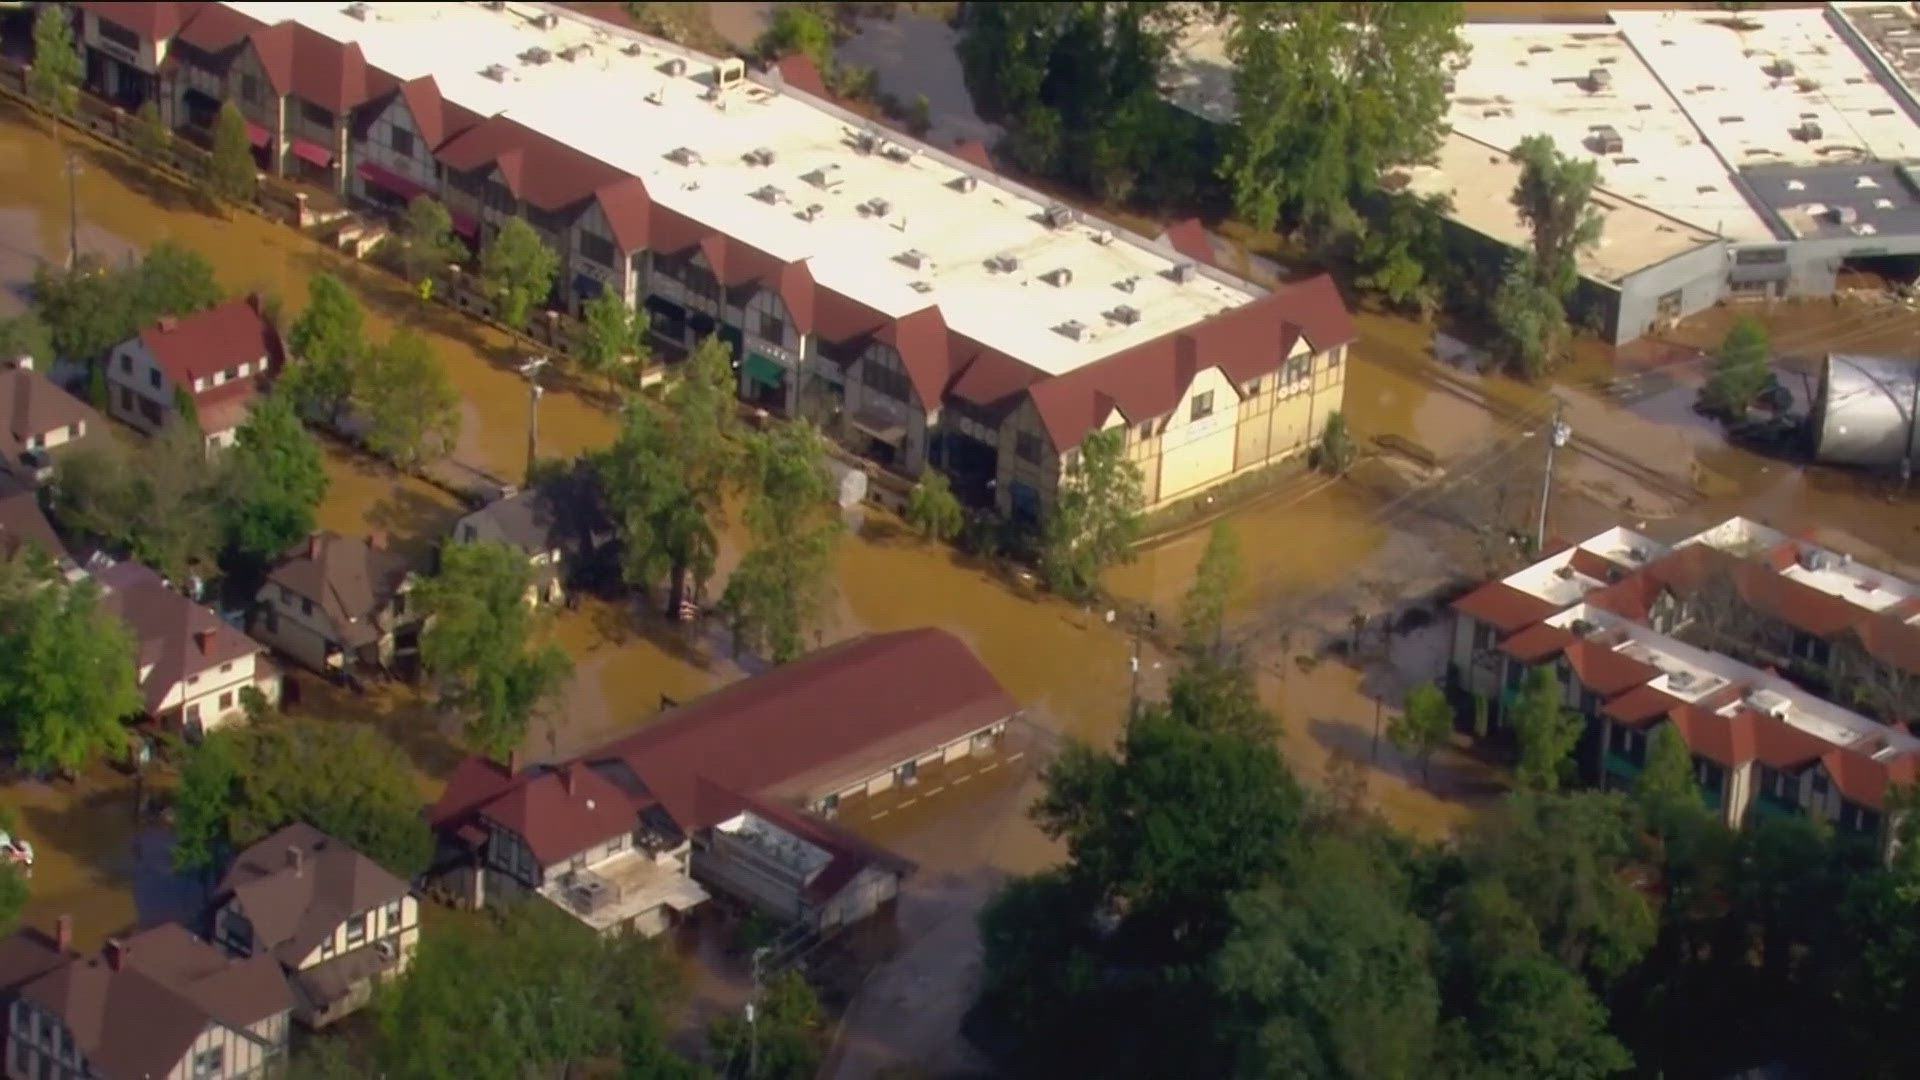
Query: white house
x,y
192,666
218,359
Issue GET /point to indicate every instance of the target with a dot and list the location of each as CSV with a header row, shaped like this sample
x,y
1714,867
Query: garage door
x,y
1205,455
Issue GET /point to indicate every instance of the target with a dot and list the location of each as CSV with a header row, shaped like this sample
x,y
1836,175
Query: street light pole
x,y
1557,437
73,207
531,370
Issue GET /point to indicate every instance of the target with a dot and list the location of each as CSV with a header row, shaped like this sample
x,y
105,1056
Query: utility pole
x,y
1557,437
73,207
753,1017
531,370
1913,427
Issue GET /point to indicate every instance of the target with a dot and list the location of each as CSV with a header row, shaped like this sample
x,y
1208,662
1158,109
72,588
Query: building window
x,y
617,845
1668,306
119,35
1760,256
249,88
316,115
306,606
469,533
224,668
1253,388
887,381
1334,357
1202,406
153,378
393,916
191,679
599,249
1819,786
210,1063
356,931
1027,445
401,140
772,328
1146,431
286,594
226,701
22,1056
126,361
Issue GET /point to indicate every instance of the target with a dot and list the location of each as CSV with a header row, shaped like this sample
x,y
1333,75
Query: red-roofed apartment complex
x,y
922,308
732,791
220,358
1640,635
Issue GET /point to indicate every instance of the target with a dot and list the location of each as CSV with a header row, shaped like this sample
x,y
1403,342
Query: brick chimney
x,y
63,933
116,951
377,540
566,777
513,763
295,860
313,546
168,323
203,639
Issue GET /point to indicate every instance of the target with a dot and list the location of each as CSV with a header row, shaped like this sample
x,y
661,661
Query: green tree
x,y
932,509
327,341
480,645
1667,783
517,269
426,235
1424,724
789,1041
54,79
1554,198
346,779
665,477
87,309
1547,729
1530,318
1095,516
15,890
1336,451
1401,250
149,135
67,679
401,391
172,280
25,335
611,338
1739,369
276,478
232,172
1328,97
186,408
799,28
1333,971
1203,613
780,590
162,503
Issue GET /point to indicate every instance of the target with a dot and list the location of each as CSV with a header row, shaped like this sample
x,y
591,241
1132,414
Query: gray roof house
x,y
548,524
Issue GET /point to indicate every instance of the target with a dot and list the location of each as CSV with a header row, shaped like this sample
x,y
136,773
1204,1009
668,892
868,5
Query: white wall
x,y
205,686
380,924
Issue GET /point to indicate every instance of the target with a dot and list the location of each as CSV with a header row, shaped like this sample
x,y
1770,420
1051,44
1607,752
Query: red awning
x,y
257,134
313,153
388,180
464,225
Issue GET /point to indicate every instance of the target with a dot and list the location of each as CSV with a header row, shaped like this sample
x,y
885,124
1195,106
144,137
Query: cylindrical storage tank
x,y
1863,414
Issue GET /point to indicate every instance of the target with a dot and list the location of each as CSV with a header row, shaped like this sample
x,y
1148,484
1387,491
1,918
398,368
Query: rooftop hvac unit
x,y
496,5
535,56
876,207
1103,237
1599,79
896,153
963,183
1057,216
547,20
1769,702
1605,139
920,286
575,52
1004,264
1780,68
356,11
1125,314
1058,277
771,195
913,257
674,68
656,96
1807,131
865,141
633,48
683,155
1072,328
812,211
1126,284
1183,272
759,156
496,72
1680,680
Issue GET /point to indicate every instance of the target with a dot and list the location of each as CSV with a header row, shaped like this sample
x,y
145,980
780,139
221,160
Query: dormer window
x,y
1202,406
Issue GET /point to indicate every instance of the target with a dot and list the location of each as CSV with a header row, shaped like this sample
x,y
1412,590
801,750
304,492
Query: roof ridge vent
x,y
914,258
547,20
633,48
895,152
920,286
876,207
1126,284
657,96
576,52
1182,272
1103,237
809,212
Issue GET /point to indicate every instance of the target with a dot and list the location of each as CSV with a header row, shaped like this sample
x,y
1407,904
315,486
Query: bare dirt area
x,y
1577,11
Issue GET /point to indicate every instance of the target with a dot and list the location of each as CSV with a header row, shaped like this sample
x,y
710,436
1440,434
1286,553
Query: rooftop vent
x,y
1103,237
496,72
495,5
1772,703
864,141
1126,284
1865,182
1072,328
913,257
1806,131
812,211
674,68
356,11
1581,628
896,152
876,207
1680,680
535,56
819,178
771,195
575,52
1058,277
1057,216
1605,139
1125,315
656,96
920,286
684,155
1598,79
547,20
1815,559
1183,272
759,156
1780,68
633,48
963,183
1004,264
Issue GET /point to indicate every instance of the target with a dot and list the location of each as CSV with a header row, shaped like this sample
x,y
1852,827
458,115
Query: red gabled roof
x,y
273,46
1606,672
673,233
434,117
839,319
563,811
1188,236
1641,704
173,636
1148,380
800,72
195,346
1504,607
1866,781
973,152
215,28
628,210
987,376
921,339
155,21
1538,642
1728,741
334,76
473,782
543,171
1632,597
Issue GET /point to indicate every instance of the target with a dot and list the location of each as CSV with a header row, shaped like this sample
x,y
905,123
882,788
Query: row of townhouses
x,y
301,929
1742,638
919,306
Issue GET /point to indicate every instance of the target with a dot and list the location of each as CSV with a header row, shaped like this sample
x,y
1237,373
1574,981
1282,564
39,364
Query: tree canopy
x,y
327,340
1095,517
346,779
409,406
481,647
427,240
517,269
1554,198
275,480
776,596
232,172
1203,612
91,307
162,502
54,79
1740,369
1547,728
611,338
67,679
933,510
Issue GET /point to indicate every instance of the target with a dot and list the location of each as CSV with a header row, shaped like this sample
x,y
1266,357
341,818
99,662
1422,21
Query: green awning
x,y
765,370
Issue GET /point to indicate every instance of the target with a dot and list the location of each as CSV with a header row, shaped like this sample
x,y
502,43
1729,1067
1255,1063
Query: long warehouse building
x,y
921,307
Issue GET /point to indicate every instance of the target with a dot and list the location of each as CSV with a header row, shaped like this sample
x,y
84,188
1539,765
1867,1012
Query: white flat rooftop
x,y
627,111
1558,580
